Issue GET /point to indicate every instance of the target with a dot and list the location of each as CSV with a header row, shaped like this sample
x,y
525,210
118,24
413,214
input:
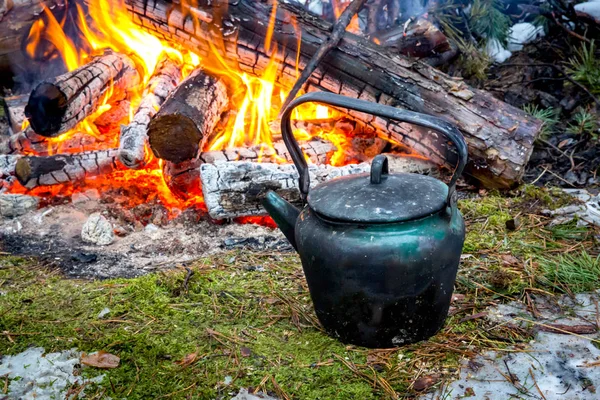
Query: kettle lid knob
x,y
379,169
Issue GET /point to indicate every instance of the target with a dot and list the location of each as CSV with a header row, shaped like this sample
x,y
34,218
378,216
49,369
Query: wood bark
x,y
500,136
184,178
15,25
14,109
236,189
134,136
188,116
33,171
29,142
418,39
58,104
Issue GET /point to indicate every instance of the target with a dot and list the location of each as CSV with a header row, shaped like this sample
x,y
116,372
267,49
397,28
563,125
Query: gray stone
x,y
97,230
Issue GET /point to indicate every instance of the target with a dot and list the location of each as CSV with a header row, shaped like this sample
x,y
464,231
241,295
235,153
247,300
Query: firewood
x,y
58,104
418,39
15,25
134,136
14,109
317,150
500,136
34,171
27,142
337,32
235,189
184,178
187,117
111,120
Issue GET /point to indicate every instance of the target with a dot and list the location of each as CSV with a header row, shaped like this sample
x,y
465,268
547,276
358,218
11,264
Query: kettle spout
x,y
283,213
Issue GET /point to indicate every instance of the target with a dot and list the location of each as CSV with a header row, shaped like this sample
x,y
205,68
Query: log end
x,y
174,137
23,171
45,109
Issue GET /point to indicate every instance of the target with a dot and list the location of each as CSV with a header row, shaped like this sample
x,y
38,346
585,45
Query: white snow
x,y
560,366
523,33
494,49
591,7
35,375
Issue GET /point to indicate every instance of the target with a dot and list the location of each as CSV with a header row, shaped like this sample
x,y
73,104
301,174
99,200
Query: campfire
x,y
177,104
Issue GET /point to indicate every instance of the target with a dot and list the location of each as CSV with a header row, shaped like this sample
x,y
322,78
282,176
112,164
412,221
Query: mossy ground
x,y
181,338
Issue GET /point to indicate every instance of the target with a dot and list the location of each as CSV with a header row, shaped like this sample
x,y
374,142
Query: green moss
x,y
259,328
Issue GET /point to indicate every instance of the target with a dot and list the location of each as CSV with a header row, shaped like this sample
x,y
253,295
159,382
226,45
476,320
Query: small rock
x,y
83,197
120,231
97,230
84,257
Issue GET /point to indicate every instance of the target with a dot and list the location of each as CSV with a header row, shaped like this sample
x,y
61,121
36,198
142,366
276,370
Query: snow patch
x,y
523,33
35,375
591,8
494,49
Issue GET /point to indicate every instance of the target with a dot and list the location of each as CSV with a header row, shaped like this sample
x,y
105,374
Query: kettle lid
x,y
379,197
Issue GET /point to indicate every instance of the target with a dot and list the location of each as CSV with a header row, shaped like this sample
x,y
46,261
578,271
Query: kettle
x,y
380,251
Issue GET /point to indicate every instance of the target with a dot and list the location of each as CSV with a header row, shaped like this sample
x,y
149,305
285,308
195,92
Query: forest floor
x,y
245,320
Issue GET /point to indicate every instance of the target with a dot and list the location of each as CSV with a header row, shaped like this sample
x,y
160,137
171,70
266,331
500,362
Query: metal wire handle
x,y
397,114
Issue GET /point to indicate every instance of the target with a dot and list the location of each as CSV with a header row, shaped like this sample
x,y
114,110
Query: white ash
x,y
13,205
35,375
97,230
53,235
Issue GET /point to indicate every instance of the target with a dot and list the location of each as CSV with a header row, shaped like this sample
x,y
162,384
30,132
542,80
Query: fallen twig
x,y
339,28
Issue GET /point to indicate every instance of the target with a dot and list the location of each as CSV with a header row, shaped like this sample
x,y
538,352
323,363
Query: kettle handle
x,y
397,114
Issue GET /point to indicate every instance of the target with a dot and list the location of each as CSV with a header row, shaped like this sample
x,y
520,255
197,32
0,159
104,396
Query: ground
x,y
244,319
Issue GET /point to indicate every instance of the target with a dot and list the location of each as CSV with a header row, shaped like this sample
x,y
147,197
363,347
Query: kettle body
x,y
380,251
381,285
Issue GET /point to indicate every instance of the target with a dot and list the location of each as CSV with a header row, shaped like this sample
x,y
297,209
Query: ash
x,y
53,234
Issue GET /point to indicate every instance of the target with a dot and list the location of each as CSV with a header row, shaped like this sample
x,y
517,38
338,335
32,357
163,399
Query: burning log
x,y
188,116
34,171
236,189
184,178
500,136
28,141
58,104
134,136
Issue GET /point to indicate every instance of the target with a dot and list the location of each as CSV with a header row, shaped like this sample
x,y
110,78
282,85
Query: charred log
x,y
184,178
500,136
28,141
188,116
37,171
58,104
235,189
134,136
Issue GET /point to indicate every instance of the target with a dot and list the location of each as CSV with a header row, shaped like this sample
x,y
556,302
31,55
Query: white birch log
x,y
134,136
235,189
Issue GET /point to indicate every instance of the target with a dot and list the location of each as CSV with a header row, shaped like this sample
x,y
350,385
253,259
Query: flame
x,y
338,7
255,100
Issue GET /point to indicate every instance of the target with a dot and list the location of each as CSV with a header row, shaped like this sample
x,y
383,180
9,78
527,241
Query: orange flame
x,y
255,100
